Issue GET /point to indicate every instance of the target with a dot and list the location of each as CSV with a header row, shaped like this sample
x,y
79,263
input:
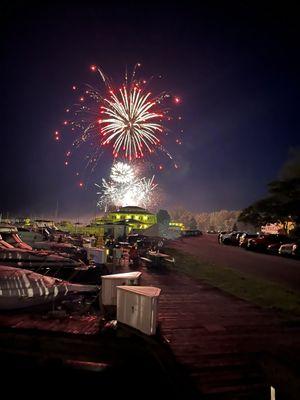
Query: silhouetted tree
x,y
235,228
163,217
193,223
282,203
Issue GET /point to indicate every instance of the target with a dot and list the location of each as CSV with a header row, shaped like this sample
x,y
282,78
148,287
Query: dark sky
x,y
236,69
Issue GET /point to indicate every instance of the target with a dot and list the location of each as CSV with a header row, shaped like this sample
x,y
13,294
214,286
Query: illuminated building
x,y
135,217
176,225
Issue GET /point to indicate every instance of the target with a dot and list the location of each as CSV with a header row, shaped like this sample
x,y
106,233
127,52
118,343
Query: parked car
x,y
290,249
243,239
274,248
220,234
231,238
262,242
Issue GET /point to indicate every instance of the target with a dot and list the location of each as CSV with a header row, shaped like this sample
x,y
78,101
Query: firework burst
x,y
129,120
129,123
122,173
125,188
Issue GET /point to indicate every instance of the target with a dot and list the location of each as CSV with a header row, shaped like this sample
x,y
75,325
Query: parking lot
x,y
285,271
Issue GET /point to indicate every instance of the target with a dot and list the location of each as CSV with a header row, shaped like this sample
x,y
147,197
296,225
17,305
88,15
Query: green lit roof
x,y
132,210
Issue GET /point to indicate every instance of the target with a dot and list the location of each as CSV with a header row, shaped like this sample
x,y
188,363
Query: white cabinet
x,y
137,307
110,283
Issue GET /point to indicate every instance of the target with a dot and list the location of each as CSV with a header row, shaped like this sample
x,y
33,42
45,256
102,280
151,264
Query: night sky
x,y
236,70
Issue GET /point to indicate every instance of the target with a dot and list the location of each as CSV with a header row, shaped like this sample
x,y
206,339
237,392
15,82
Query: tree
x,y
291,169
181,215
282,203
193,223
234,227
163,217
219,220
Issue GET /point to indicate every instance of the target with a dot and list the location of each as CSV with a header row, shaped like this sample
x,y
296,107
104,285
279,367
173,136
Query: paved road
x,y
274,268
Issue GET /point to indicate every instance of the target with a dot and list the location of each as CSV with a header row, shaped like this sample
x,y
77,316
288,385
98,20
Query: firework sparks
x,y
130,123
122,173
129,120
125,188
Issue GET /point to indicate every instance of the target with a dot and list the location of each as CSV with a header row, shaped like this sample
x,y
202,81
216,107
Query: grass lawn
x,y
256,290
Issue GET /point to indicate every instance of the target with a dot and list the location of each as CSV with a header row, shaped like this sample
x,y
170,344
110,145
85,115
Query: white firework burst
x,y
122,172
132,191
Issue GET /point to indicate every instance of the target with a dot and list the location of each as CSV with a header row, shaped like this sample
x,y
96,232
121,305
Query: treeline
x,y
222,220
281,205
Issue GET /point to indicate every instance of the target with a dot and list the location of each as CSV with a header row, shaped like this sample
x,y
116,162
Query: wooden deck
x,y
218,338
